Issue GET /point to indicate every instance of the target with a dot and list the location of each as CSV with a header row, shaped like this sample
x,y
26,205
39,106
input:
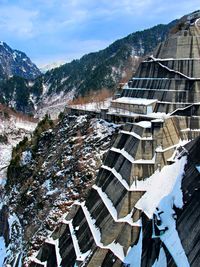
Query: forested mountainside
x,y
95,71
106,68
16,63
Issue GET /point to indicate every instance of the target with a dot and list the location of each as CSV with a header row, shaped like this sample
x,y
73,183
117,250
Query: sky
x,y
62,30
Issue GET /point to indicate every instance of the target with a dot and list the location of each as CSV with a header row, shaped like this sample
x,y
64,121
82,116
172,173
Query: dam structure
x,y
110,228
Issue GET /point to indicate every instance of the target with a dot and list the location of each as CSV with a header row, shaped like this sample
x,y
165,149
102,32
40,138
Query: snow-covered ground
x,y
14,130
94,106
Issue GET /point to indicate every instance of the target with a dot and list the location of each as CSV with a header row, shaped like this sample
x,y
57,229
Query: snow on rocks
x,y
26,157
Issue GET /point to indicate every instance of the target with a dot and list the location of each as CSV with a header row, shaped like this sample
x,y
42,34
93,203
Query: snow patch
x,y
26,157
134,255
163,194
162,260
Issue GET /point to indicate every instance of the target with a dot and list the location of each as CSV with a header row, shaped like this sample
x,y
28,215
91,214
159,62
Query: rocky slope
x,y
16,63
48,173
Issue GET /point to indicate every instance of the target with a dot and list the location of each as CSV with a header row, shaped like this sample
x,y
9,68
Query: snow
x,y
134,101
134,255
35,260
171,70
2,251
162,185
116,248
136,135
124,153
45,88
162,195
26,157
146,161
5,157
79,255
128,113
136,186
144,124
117,175
94,106
26,125
81,119
50,66
51,192
109,205
198,168
54,104
162,260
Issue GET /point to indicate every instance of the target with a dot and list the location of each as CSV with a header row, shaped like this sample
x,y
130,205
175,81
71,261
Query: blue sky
x,y
61,30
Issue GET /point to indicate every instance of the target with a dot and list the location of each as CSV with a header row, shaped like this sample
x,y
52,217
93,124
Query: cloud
x,y
16,20
70,28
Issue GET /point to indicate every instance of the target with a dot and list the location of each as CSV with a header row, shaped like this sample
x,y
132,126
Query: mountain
x,y
95,71
16,63
83,191
59,164
20,94
106,68
48,67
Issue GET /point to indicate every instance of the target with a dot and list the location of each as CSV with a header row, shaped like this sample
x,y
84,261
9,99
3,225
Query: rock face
x,y
146,192
49,172
16,63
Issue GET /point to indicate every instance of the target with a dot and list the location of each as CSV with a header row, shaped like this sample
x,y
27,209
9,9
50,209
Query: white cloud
x,y
18,21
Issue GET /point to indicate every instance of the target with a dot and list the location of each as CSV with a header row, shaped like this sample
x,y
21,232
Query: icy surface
x,y
163,184
133,258
162,260
162,195
2,250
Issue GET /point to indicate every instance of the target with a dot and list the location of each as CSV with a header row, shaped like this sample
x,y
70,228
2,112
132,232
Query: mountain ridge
x,y
93,72
16,63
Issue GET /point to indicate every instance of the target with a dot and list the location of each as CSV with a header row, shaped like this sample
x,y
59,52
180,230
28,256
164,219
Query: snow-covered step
x,y
123,153
112,210
138,185
115,247
149,138
79,255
